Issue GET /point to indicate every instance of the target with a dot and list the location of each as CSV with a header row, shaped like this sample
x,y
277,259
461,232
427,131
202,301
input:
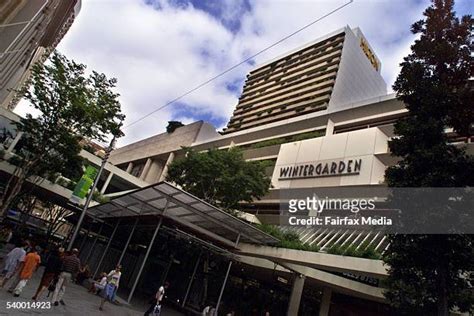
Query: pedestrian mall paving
x,y
78,302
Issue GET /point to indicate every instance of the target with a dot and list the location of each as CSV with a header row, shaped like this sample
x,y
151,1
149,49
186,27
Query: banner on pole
x,y
83,185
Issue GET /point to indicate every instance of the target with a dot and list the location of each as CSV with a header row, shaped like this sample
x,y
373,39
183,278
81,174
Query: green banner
x,y
85,183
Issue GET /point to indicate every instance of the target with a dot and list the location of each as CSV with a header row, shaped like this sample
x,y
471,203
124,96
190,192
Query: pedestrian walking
x,y
31,263
70,266
51,272
156,302
12,263
113,280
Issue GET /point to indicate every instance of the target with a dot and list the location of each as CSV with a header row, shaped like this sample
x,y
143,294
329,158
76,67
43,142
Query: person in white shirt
x,y
160,294
96,287
113,281
12,263
207,310
114,277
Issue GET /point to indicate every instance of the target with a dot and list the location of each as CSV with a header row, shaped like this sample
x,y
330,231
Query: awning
x,y
166,200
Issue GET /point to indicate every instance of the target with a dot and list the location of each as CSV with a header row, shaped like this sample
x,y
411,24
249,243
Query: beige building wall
x,y
148,159
363,145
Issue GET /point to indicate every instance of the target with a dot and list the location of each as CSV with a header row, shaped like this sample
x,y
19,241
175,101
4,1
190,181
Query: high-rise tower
x,y
29,31
326,75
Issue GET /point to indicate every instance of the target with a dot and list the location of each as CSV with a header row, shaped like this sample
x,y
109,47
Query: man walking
x,y
12,263
70,267
156,304
31,263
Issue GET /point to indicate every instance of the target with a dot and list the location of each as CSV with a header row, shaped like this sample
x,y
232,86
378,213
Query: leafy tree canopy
x,y
432,274
172,126
71,106
220,177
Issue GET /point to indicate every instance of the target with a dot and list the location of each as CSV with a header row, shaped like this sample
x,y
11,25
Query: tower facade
x,y
327,74
29,31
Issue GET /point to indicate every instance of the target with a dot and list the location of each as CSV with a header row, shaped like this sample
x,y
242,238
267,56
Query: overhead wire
x,y
238,64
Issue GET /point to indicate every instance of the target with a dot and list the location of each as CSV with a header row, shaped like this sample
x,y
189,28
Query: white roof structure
x,y
166,200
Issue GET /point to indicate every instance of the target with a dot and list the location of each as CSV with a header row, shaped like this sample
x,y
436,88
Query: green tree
x,y
431,274
220,177
173,125
71,106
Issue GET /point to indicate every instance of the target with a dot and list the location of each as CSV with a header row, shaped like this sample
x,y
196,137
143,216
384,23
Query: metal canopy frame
x,y
184,209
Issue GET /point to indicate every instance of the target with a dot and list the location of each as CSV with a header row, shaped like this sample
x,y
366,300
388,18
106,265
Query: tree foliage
x,y
220,177
71,106
431,274
55,218
173,125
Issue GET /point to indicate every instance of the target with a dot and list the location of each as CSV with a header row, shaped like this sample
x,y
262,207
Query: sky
x,y
159,49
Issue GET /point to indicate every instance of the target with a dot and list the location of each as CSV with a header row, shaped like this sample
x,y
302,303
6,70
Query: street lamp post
x,y
89,196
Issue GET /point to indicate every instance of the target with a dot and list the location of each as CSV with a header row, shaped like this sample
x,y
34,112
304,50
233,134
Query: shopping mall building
x,y
320,117
320,104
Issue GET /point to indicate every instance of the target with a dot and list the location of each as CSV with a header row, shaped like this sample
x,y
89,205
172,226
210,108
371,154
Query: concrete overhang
x,y
336,283
316,260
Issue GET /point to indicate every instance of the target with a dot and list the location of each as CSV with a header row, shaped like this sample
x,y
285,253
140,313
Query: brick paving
x,y
78,302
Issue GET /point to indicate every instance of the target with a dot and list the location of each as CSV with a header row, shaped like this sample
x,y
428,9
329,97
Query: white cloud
x,y
158,54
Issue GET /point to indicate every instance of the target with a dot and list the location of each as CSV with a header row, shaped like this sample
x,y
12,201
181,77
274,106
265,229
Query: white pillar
x,y
129,167
164,173
106,183
145,169
14,142
330,127
296,292
325,302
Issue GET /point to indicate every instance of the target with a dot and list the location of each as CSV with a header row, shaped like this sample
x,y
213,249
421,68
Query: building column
x,y
93,244
296,292
329,127
128,242
191,280
145,169
325,302
106,248
164,173
129,167
150,245
107,182
83,242
225,279
14,142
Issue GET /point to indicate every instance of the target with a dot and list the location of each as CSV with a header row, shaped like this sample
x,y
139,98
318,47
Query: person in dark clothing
x,y
70,268
84,274
51,272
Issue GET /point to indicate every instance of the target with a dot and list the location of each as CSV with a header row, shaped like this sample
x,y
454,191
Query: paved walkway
x,y
78,302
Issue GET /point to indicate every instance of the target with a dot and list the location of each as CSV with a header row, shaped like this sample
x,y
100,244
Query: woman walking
x,y
113,280
51,272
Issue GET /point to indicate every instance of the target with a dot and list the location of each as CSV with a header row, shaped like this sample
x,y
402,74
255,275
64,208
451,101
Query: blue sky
x,y
159,49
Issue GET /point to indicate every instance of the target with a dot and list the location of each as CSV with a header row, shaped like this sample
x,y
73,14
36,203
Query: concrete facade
x,y
327,74
148,159
29,31
352,122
